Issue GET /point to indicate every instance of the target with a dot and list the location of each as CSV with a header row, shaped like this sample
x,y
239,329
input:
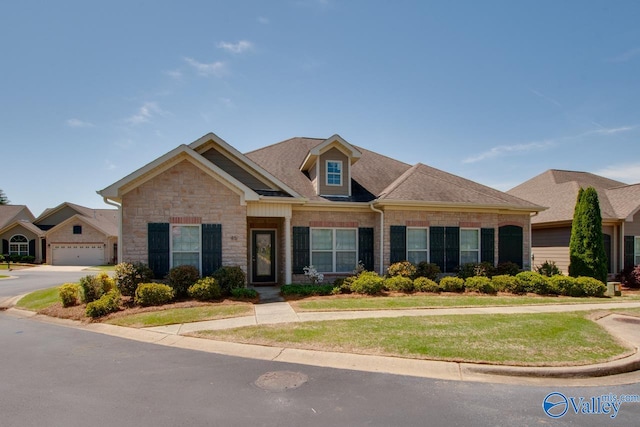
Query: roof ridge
x,y
281,142
399,180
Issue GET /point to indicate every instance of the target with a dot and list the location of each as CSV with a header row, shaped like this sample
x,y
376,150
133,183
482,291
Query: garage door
x,y
77,254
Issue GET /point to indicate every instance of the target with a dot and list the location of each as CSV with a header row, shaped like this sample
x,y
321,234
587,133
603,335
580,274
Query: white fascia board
x,y
75,218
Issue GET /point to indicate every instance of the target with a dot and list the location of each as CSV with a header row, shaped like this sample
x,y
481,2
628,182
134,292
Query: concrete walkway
x,y
622,371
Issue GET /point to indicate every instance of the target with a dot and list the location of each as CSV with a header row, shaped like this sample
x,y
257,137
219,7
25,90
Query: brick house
x,y
306,201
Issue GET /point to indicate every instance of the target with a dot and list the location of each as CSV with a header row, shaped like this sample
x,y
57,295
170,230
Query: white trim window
x,y
636,258
417,245
334,250
18,245
185,245
469,245
334,172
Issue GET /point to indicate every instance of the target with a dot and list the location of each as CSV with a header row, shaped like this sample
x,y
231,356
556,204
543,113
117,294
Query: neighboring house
x,y
76,235
305,201
551,229
19,235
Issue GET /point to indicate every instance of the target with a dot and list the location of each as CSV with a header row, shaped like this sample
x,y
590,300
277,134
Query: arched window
x,y
19,245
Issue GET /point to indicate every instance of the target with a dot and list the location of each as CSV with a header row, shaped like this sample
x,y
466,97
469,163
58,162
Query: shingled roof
x,y
558,190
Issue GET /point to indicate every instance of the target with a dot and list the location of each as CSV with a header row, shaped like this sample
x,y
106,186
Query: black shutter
x,y
510,244
629,243
5,247
211,248
398,243
451,249
158,248
365,247
32,247
606,239
487,241
301,248
436,246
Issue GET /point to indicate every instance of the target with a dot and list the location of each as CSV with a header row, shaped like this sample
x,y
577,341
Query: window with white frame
x,y
417,245
469,245
636,259
334,172
185,245
18,245
334,250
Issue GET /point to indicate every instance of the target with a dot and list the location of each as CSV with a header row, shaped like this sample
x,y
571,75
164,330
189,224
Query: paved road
x,y
54,375
34,278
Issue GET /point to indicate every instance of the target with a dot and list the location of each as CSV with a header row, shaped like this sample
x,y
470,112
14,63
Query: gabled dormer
x,y
328,166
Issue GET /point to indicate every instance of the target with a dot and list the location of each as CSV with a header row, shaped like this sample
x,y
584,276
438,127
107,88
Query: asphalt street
x,y
55,375
31,279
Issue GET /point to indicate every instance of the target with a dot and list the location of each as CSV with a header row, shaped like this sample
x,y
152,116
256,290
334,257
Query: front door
x,y
263,256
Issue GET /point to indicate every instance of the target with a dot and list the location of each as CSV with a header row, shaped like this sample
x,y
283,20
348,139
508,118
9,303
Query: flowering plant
x,y
313,274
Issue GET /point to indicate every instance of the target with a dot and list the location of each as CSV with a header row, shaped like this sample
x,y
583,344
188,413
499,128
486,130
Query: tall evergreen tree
x,y
587,256
3,198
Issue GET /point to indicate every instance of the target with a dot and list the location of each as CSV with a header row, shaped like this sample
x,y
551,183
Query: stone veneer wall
x,y
89,235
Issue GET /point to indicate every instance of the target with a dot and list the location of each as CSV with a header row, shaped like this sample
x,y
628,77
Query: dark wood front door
x,y
263,256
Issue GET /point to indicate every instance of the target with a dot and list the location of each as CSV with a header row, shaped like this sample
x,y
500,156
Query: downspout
x,y
381,237
109,202
531,257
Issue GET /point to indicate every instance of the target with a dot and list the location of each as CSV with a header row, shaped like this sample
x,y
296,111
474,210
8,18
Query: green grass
x,y
182,315
519,339
103,267
39,299
434,301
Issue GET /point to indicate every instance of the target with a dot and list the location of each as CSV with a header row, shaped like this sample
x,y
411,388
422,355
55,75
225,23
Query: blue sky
x,y
494,91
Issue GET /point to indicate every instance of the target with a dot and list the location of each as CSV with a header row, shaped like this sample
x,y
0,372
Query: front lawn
x,y
171,316
39,300
514,339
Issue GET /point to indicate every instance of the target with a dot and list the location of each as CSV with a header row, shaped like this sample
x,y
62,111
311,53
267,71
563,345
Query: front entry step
x,y
269,294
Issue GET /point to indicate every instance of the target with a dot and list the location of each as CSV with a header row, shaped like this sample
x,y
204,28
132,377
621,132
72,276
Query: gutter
x,y
112,203
381,237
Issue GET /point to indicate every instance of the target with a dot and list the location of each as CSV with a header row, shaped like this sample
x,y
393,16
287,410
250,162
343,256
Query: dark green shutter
x,y
451,249
487,241
436,246
398,243
32,247
211,248
629,249
158,248
5,247
301,249
510,244
365,247
606,239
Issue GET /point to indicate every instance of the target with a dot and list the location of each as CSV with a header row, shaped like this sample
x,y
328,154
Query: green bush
x,y
428,270
452,284
91,288
548,268
244,294
509,268
180,278
205,289
424,284
399,284
153,294
342,285
507,283
129,275
306,290
108,303
485,269
591,287
69,294
564,285
403,268
368,283
480,284
230,277
533,282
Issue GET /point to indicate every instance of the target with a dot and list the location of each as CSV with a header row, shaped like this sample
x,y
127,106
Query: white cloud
x,y
545,97
241,46
77,123
626,56
217,68
625,172
263,20
503,150
611,131
108,165
145,114
174,74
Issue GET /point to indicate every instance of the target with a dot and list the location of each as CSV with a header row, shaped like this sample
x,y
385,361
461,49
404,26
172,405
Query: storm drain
x,y
281,380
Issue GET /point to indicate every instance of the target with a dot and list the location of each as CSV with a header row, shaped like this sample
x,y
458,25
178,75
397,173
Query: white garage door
x,y
77,254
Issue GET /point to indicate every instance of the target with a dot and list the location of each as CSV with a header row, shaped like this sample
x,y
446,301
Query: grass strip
x,y
39,300
173,316
554,339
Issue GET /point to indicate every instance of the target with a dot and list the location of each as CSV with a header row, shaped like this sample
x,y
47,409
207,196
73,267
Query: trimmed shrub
x,y
428,270
342,285
452,284
230,277
106,282
548,268
485,269
480,284
533,282
424,284
591,287
402,268
244,294
399,284
205,289
153,294
180,278
69,294
305,290
510,268
565,285
129,275
630,277
368,283
108,303
507,283
91,289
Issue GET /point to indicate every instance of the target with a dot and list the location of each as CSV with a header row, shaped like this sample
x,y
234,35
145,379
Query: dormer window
x,y
334,172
